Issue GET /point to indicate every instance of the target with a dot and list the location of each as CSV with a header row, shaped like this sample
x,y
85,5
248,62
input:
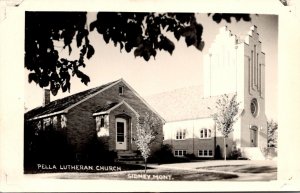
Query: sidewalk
x,y
210,163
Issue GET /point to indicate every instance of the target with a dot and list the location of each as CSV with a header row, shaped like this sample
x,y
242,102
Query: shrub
x,y
180,159
190,156
235,154
97,151
165,155
162,155
270,152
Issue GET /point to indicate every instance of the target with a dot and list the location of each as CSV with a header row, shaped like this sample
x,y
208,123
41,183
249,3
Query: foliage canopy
x,y
141,33
272,133
225,115
146,131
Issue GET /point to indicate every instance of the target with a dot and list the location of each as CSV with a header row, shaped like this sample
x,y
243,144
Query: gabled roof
x,y
108,108
105,108
183,104
58,106
63,105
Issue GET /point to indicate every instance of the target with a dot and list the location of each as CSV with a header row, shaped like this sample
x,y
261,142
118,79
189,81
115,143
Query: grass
x,y
176,175
242,168
258,169
210,171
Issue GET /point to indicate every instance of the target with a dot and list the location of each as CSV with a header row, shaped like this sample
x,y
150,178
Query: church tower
x,y
253,121
237,66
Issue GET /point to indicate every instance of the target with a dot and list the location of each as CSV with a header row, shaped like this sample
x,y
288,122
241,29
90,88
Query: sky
x,y
166,72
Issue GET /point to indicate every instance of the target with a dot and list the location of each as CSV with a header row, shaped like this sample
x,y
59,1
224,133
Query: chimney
x,y
46,97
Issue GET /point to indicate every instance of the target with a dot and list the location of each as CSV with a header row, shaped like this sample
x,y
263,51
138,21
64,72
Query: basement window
x,y
180,153
205,153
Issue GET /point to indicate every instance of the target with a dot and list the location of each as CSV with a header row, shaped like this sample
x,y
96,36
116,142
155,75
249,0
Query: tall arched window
x,y
205,133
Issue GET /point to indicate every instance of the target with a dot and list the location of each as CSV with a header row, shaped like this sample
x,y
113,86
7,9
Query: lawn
x,y
243,170
151,175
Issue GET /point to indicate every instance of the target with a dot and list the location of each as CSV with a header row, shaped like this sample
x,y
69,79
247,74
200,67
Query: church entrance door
x,y
253,136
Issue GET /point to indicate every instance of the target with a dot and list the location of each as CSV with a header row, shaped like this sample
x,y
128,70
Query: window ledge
x,y
206,156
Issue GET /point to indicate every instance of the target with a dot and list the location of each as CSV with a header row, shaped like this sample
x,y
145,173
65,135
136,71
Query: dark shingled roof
x,y
63,103
106,107
183,104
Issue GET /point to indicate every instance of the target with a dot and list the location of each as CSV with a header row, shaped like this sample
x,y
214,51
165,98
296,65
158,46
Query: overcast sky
x,y
167,72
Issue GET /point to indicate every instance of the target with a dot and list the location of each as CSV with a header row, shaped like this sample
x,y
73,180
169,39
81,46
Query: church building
x,y
231,66
78,127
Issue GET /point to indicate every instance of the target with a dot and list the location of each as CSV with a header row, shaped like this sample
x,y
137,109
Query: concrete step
x,y
129,157
126,154
252,153
131,161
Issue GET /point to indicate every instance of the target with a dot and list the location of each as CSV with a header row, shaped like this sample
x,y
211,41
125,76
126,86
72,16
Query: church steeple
x,y
220,72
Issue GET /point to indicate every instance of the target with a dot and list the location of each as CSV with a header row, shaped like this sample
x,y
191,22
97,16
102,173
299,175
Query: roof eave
x,y
47,115
79,102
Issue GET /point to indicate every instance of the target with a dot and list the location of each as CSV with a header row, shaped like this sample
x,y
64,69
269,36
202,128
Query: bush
x,y
165,155
97,151
162,155
190,156
235,154
180,159
270,152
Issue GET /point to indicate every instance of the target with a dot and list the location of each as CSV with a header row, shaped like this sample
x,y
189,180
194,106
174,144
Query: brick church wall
x,y
82,125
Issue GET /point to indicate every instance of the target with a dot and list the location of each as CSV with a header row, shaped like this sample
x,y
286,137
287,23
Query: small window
x,y
180,153
102,122
180,134
205,133
254,107
176,152
205,153
200,153
121,90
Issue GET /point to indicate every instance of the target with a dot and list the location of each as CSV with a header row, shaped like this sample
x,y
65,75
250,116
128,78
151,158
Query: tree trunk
x,y
215,141
225,148
145,166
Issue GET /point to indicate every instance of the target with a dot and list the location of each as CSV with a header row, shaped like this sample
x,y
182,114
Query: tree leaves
x,y
81,34
166,44
218,17
146,131
142,33
42,57
90,51
84,78
33,77
225,115
272,133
